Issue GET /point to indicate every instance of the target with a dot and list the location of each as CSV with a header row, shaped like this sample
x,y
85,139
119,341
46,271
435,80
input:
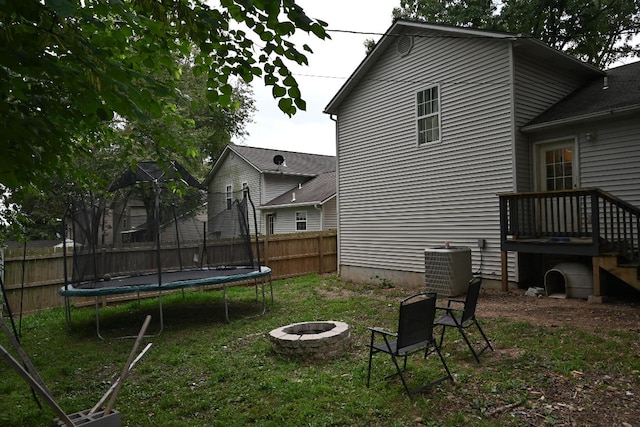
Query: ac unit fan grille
x,y
447,272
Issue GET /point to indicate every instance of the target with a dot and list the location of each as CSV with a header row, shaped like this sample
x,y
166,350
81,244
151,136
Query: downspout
x,y
504,255
334,118
319,209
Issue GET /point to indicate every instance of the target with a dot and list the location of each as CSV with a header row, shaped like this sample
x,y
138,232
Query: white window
x,y
301,220
229,196
428,115
245,190
271,223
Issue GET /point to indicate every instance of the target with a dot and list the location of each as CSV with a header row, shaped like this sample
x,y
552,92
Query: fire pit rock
x,y
321,340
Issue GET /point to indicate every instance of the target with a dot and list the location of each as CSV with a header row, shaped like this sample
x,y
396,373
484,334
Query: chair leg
x,y
489,346
446,368
370,357
444,328
466,340
399,372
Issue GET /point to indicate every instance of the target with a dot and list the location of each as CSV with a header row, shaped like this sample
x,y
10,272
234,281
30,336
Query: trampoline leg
x,y
161,313
67,313
264,300
226,307
98,319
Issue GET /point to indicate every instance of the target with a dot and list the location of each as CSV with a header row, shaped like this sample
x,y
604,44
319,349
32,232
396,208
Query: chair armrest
x,y
449,310
383,332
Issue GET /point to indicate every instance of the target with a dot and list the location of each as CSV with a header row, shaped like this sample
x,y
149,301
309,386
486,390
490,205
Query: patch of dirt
x,y
613,314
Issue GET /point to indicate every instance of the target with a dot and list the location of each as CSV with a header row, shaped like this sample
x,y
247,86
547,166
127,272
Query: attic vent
x,y
404,45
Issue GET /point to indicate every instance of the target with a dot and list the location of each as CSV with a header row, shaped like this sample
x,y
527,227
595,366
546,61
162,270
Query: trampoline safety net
x,y
129,238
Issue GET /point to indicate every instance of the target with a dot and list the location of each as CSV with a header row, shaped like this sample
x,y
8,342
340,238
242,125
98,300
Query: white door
x,y
556,166
557,171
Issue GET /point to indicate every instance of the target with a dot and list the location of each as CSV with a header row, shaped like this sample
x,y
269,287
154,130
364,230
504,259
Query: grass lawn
x,y
202,371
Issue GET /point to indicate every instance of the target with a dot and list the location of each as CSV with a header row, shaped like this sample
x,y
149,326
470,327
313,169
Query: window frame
x,y
229,196
271,223
299,222
428,116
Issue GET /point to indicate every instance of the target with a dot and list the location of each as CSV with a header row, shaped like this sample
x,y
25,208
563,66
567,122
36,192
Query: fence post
x,y
265,246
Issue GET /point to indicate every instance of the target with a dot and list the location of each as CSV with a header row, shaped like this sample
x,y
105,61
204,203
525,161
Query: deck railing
x,y
588,216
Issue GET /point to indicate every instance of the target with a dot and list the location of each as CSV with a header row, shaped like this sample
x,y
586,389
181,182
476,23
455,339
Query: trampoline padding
x,y
171,280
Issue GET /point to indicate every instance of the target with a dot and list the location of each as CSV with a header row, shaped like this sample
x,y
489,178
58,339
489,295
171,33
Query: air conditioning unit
x,y
447,270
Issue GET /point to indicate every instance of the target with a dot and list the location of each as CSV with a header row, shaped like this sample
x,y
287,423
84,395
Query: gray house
x,y
292,192
438,121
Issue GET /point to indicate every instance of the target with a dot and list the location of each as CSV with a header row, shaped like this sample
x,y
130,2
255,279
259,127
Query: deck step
x,y
628,272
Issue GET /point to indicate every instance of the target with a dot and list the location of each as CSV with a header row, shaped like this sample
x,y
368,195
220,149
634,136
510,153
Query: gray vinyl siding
x,y
397,198
611,161
190,229
329,215
286,220
276,184
537,88
616,148
234,171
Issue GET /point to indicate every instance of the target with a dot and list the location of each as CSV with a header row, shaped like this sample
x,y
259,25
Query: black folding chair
x,y
464,317
415,333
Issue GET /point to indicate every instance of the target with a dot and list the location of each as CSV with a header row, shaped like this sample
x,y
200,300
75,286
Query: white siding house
x,y
291,191
428,134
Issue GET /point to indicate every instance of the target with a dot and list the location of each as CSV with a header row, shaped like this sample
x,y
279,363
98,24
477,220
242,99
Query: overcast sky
x,y
332,62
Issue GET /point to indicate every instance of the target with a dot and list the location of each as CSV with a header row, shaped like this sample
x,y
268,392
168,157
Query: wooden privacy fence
x,y
32,279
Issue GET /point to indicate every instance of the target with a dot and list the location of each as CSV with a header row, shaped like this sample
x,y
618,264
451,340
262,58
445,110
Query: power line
x,y
449,36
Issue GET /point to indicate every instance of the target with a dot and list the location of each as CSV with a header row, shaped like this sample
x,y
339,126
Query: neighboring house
x,y
437,121
291,191
127,220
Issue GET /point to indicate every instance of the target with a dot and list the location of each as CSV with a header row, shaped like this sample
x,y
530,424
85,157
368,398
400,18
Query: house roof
x,y
263,160
523,44
316,191
618,92
152,172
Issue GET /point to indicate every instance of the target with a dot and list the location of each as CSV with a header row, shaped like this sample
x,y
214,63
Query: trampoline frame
x,y
216,279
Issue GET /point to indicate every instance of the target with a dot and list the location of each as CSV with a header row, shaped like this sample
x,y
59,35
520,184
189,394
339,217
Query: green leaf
x,y
301,104
290,81
278,91
286,106
104,114
63,8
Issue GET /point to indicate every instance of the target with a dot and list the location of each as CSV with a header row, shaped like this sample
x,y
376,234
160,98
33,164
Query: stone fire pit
x,y
311,340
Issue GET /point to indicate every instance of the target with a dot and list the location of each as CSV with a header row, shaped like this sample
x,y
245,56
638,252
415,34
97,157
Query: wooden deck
x,y
584,222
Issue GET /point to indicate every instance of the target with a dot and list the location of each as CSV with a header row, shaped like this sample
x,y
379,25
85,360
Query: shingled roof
x,y
619,92
315,191
294,163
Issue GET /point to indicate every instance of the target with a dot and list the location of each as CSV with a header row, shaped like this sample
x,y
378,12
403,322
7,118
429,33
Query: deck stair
x,y
628,272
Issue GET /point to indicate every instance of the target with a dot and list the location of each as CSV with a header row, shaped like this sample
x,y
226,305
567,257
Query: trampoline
x,y
216,278
222,252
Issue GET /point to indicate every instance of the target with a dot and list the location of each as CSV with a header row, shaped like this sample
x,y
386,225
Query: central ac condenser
x,y
447,270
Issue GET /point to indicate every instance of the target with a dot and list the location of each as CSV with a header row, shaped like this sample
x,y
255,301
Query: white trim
x,y
228,195
296,221
582,118
557,142
437,114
